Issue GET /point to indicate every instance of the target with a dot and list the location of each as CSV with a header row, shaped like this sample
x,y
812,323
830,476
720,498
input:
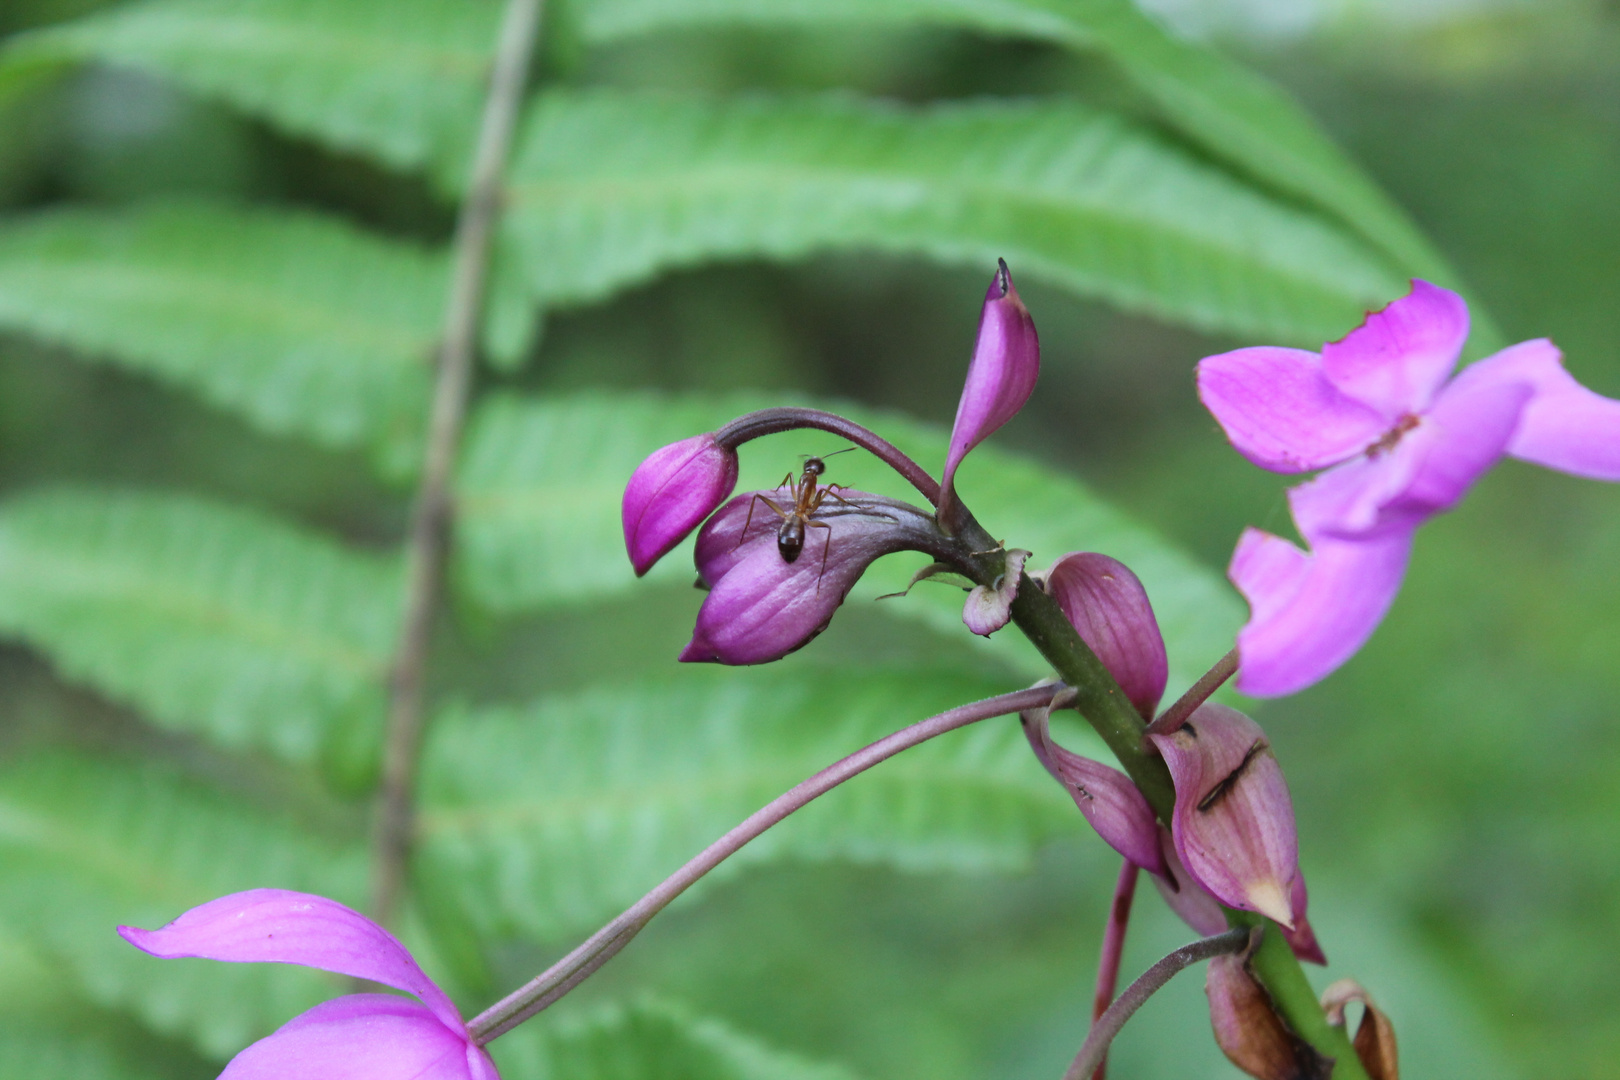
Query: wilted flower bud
x,y
1006,362
1107,797
1233,822
671,492
988,607
1249,1031
1109,609
1375,1035
760,606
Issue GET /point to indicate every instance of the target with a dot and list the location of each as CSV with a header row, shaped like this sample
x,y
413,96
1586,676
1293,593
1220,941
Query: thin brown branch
x,y
600,947
431,517
1113,949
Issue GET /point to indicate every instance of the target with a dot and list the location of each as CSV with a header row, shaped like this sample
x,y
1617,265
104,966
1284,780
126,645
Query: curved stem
x,y
1198,693
1102,1033
771,421
1113,948
430,520
571,970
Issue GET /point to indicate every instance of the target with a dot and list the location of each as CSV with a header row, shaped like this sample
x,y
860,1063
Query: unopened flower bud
x,y
671,492
1234,821
1006,362
1110,610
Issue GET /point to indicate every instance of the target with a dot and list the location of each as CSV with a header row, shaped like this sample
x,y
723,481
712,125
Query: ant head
x,y
815,466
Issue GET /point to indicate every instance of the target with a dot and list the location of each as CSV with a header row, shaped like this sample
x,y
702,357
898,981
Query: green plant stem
x,y
429,537
1103,704
550,985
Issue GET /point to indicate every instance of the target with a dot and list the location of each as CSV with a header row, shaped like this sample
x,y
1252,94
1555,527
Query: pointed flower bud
x,y
671,492
1110,610
1107,797
1006,362
1249,1031
989,607
1234,821
762,605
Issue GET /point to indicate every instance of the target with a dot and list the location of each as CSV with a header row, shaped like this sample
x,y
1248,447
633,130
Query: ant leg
x,y
825,550
757,499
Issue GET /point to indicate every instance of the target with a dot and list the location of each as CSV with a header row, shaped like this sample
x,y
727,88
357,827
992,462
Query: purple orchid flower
x,y
356,1037
1006,363
1400,443
761,607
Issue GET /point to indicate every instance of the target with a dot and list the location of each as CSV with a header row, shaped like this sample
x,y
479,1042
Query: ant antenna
x,y
824,457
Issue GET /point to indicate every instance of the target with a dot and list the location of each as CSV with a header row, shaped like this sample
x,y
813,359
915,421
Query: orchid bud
x,y
1109,609
1233,821
1107,797
1006,362
761,606
671,492
1249,1031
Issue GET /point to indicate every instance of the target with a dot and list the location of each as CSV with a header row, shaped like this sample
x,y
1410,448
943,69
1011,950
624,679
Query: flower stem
x,y
431,516
571,970
1095,1048
771,421
1198,693
1113,948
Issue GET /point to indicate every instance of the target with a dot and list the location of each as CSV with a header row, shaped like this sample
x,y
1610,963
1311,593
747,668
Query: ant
x,y
807,499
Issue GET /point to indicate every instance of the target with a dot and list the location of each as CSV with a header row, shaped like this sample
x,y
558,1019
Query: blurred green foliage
x,y
218,290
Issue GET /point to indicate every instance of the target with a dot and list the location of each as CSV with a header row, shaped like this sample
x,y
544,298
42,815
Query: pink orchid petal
x,y
1455,443
1234,820
1310,613
362,1037
1350,500
1565,426
1110,802
1006,363
1182,893
284,927
1398,358
1109,608
1280,411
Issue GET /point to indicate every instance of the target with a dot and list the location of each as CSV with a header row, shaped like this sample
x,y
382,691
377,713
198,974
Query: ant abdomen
x,y
790,539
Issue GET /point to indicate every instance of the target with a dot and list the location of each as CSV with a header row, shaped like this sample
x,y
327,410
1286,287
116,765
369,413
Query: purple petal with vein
x,y
284,927
761,607
671,493
1233,822
1280,411
363,1037
1006,363
1565,426
1106,797
1109,609
1309,613
1398,358
1184,896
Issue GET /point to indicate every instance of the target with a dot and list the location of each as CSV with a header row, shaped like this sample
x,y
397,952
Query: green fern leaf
x,y
541,484
1222,107
212,620
89,844
302,324
401,80
610,188
553,817
644,1040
